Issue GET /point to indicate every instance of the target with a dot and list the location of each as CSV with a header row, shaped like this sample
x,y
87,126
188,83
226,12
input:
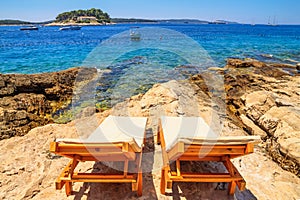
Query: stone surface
x,y
28,171
249,104
267,101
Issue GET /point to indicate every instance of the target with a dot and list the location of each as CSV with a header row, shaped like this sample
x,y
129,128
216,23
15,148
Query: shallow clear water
x,y
49,49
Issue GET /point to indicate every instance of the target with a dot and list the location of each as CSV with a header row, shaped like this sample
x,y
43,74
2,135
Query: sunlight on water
x,y
50,50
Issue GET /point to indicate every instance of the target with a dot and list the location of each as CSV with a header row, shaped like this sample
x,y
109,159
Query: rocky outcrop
x,y
28,170
259,99
28,101
264,99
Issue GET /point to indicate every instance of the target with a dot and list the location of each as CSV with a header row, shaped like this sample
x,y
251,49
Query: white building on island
x,y
86,18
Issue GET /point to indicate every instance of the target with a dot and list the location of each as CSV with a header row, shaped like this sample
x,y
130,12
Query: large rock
x,y
238,63
28,101
265,99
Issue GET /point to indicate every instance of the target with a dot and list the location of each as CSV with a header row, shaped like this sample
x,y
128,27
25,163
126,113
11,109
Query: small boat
x,y
69,28
29,28
218,22
274,22
134,33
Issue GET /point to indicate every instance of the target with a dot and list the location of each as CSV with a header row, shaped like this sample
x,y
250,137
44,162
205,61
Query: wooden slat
x,y
90,145
212,152
102,158
104,180
195,146
204,151
113,155
96,158
101,178
101,175
212,178
200,175
85,151
58,147
196,158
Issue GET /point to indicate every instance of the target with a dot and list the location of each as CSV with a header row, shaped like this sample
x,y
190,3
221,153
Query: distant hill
x,y
20,22
13,22
183,21
132,20
172,21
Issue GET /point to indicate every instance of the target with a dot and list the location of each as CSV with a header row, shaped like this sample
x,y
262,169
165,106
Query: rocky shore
x,y
266,100
255,99
78,24
29,101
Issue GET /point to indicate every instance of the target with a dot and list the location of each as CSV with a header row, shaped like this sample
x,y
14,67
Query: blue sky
x,y
245,11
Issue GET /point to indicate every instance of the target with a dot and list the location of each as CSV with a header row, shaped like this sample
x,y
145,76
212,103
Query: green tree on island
x,y
78,15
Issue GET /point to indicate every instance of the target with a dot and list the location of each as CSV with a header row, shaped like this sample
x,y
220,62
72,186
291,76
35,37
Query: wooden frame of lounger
x,y
192,152
81,152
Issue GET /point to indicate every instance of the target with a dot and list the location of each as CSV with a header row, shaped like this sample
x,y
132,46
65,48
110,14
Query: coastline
x,y
78,24
258,96
62,24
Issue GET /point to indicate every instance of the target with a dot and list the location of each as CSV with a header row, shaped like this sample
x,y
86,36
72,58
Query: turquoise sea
x,y
49,49
126,68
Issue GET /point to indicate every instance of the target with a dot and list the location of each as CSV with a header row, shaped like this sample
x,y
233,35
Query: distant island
x,y
13,22
95,16
171,21
91,16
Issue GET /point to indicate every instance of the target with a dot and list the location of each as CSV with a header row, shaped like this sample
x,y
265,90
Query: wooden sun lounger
x,y
191,139
116,139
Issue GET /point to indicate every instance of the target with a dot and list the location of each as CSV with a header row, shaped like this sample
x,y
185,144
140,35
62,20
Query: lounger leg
x,y
68,187
231,187
163,182
178,167
140,184
158,138
139,175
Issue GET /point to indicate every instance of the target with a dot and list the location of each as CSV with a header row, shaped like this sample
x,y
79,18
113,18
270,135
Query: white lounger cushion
x,y
115,130
194,130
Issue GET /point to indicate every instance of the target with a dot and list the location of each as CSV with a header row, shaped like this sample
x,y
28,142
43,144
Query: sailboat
x,y
274,21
